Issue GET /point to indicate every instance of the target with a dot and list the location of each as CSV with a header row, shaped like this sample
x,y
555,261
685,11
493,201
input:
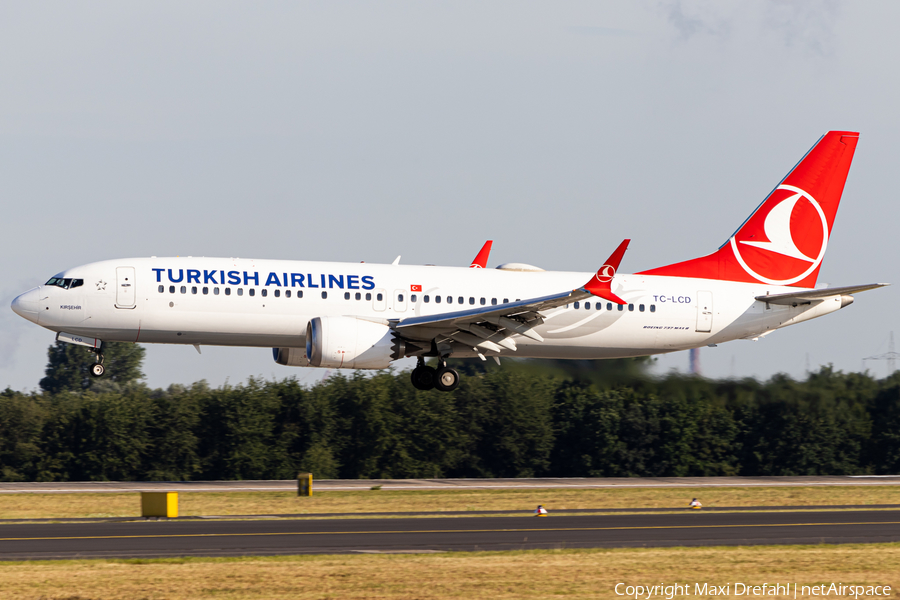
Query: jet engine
x,y
351,343
290,357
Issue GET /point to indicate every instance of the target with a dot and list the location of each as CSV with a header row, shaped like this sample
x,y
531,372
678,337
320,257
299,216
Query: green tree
x,y
69,366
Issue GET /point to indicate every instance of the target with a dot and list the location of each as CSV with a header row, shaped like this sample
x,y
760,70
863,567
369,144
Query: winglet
x,y
600,284
480,261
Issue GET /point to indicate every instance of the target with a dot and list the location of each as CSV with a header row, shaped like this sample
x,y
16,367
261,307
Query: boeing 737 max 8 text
x,y
364,316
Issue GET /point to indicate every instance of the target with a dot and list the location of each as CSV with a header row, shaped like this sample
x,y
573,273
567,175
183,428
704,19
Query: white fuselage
x,y
268,303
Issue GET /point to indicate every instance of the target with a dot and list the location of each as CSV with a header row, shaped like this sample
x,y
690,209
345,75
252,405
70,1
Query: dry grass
x,y
506,575
33,506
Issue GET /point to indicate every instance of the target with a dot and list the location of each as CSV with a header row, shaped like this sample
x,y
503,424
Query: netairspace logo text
x,y
789,590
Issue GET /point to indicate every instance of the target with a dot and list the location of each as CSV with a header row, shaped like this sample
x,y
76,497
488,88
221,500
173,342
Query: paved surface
x,y
441,484
315,536
470,513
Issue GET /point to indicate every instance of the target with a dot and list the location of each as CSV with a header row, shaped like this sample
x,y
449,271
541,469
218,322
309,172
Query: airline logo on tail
x,y
606,274
784,240
794,227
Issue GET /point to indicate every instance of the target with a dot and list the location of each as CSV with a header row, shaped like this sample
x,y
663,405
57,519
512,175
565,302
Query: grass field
x,y
496,575
33,506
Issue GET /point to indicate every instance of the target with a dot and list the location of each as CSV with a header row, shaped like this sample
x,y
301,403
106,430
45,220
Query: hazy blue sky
x,y
363,130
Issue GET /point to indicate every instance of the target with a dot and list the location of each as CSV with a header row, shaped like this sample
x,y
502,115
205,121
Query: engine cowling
x,y
351,343
290,357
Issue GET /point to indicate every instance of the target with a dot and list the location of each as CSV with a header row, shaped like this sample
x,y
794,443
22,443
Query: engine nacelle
x,y
290,357
351,343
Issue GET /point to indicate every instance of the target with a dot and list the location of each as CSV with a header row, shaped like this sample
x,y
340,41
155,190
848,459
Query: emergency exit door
x,y
704,312
125,292
379,302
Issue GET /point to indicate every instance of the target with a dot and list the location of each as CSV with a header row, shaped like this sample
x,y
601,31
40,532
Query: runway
x,y
146,539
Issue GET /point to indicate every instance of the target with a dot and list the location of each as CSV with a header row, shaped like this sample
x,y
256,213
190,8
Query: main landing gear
x,y
97,369
443,378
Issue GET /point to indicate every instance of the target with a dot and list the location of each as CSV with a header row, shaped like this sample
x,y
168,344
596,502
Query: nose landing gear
x,y
97,369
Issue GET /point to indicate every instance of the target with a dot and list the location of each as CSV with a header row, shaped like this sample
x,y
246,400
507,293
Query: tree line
x,y
525,419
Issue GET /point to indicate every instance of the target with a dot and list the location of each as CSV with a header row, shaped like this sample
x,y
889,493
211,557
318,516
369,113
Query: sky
x,y
353,131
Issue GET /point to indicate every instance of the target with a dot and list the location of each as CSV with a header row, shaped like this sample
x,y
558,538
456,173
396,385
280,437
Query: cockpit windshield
x,y
65,283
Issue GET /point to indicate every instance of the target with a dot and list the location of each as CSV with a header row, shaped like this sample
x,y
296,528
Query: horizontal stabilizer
x,y
809,295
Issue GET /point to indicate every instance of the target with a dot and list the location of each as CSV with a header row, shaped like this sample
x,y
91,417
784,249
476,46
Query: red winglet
x,y
480,261
599,284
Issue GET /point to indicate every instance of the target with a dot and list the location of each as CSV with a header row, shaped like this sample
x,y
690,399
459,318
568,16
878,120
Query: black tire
x,y
446,379
423,378
97,370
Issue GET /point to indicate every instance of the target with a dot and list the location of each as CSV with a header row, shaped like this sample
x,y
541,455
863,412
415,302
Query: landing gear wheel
x,y
97,370
447,379
423,377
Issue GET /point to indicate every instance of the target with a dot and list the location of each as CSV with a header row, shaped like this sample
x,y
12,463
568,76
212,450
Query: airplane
x,y
366,316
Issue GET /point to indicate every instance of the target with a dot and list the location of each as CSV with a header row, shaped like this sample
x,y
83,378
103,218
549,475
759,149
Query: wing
x,y
810,295
491,328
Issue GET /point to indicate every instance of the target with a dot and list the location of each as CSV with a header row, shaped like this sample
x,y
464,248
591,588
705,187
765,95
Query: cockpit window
x,y
65,283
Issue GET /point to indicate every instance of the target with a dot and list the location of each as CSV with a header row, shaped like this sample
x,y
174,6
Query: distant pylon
x,y
890,356
695,361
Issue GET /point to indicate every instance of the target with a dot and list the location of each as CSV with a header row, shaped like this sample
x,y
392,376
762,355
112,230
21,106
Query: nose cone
x,y
26,305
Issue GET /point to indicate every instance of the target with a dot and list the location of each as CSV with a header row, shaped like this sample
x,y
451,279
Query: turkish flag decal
x,y
415,288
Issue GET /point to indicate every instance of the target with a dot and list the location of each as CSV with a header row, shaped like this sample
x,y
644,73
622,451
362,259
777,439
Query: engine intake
x,y
351,343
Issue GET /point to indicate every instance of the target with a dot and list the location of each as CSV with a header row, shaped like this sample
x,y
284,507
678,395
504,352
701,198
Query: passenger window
x,y
325,295
193,289
358,296
413,298
462,300
483,301
171,289
506,301
252,291
641,308
631,307
162,288
278,293
264,292
493,302
609,306
240,291
379,296
227,291
216,291
449,299
206,291
426,298
652,308
368,296
621,307
183,289
587,306
287,293
577,305
299,293
346,295
399,297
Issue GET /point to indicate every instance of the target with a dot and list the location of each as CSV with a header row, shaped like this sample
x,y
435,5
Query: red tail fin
x,y
480,261
784,240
